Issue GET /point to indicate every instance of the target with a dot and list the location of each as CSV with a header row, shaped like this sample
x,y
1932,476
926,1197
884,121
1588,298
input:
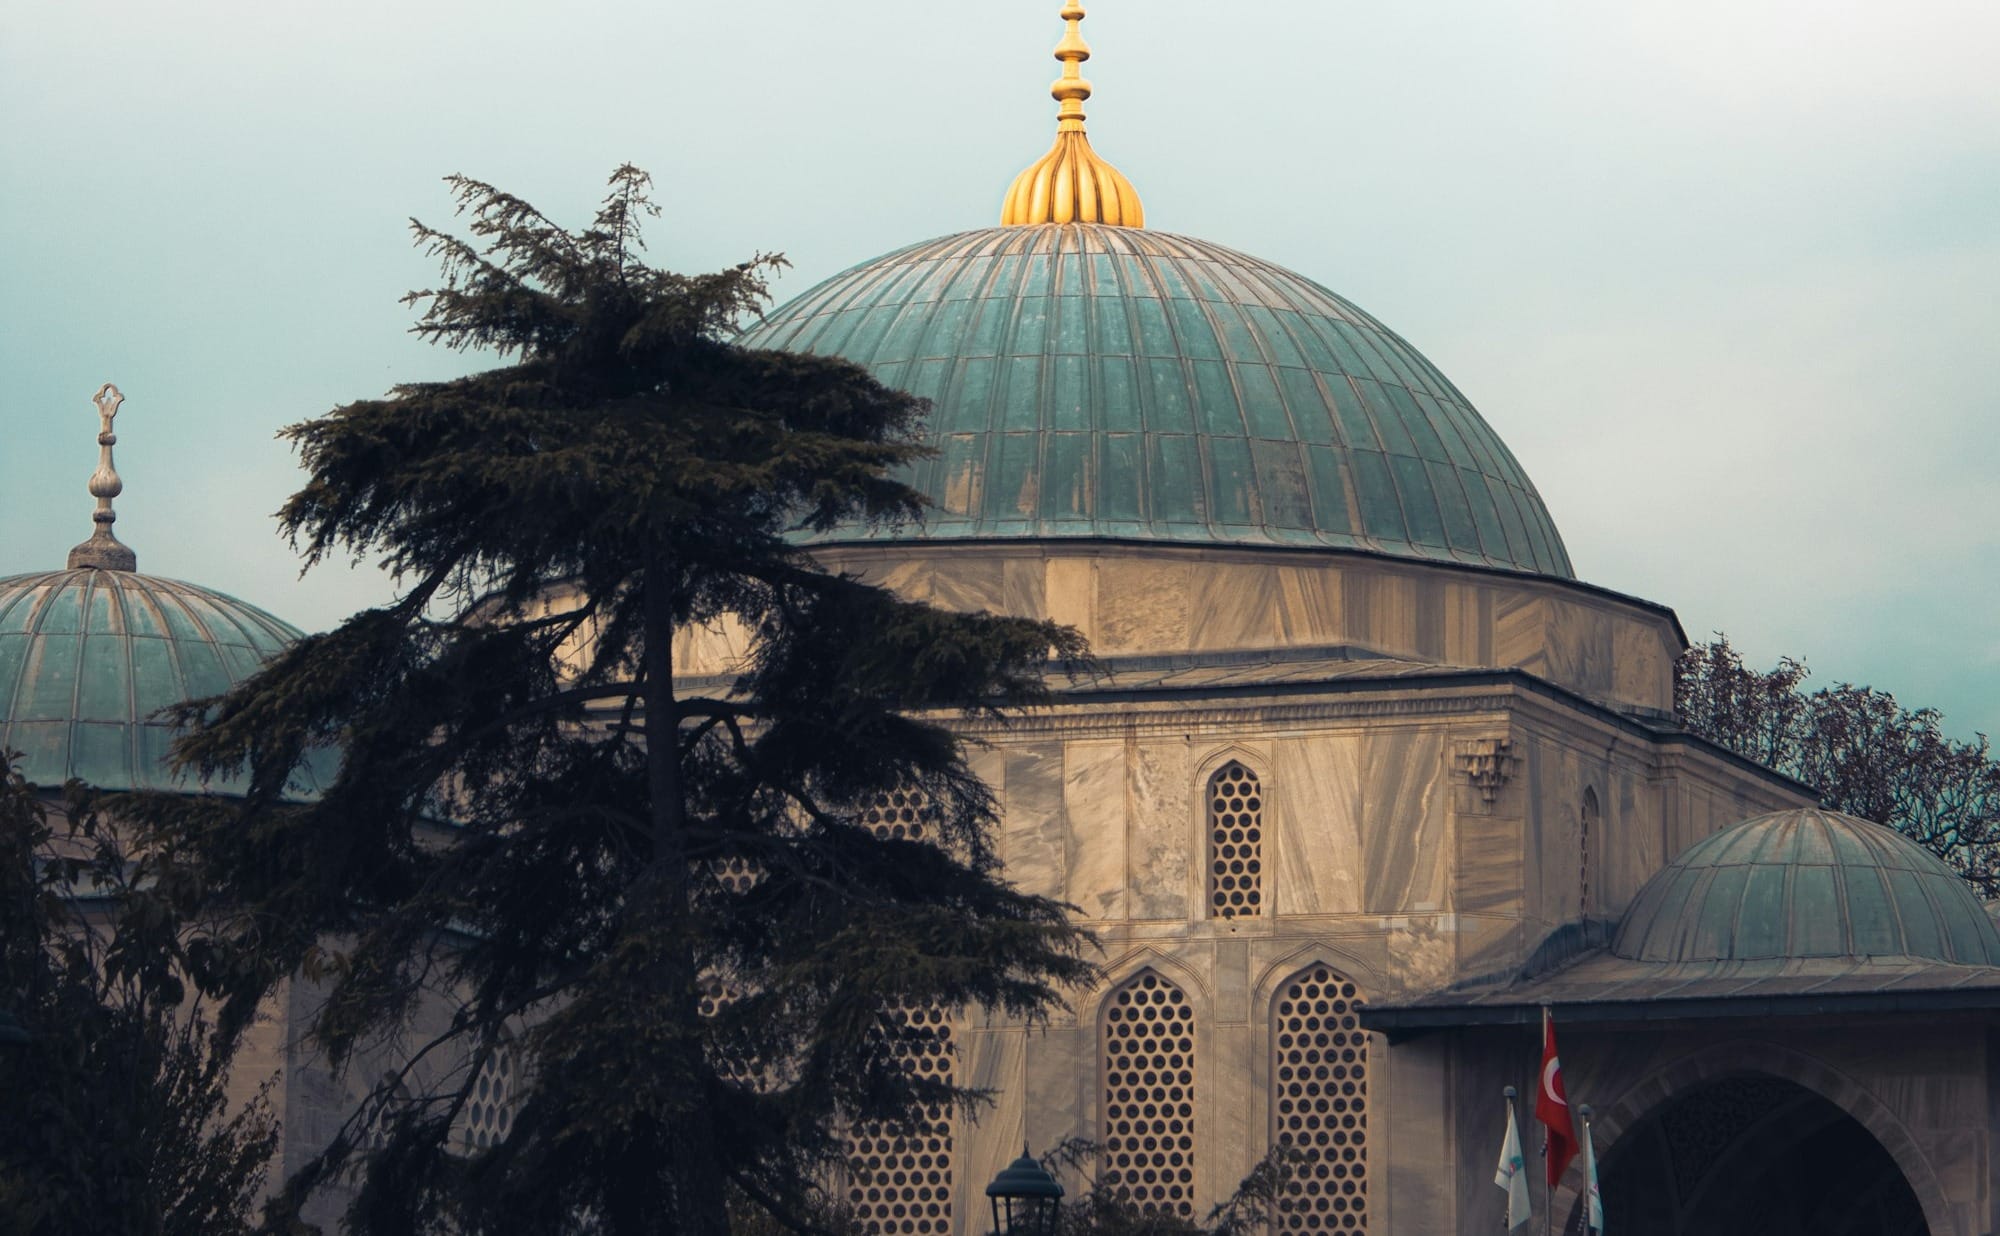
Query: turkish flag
x,y
1552,1107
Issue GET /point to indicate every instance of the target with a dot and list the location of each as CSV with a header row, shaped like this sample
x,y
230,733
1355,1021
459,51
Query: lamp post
x,y
1027,1201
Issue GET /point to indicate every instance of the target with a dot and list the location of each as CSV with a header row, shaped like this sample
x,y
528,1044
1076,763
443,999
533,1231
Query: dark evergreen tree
x,y
538,810
1866,754
113,1082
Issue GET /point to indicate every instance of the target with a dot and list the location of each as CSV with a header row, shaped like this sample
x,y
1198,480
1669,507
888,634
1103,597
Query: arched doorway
x,y
1754,1154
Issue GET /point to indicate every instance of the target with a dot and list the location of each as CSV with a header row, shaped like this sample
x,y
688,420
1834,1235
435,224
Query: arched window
x,y
900,1176
381,1107
1149,1097
1235,842
496,1094
1588,834
1319,1102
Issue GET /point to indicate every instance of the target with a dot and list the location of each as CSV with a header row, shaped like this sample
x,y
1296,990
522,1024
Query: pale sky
x,y
1725,275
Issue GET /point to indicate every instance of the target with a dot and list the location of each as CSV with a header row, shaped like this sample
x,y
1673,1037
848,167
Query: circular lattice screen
x,y
1149,1096
1320,1078
1236,842
900,1175
901,815
489,1108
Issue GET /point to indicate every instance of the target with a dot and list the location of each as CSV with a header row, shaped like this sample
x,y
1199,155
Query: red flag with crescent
x,y
1552,1107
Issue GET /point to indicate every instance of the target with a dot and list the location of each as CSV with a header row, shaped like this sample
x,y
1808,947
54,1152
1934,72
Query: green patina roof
x,y
88,656
1802,884
1107,382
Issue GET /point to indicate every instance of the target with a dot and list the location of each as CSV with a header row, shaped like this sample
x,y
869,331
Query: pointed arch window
x,y
900,1175
1319,1102
488,1114
1148,1065
1235,842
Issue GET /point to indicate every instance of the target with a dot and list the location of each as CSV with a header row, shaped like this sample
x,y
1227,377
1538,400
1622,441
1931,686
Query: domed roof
x,y
88,655
1807,883
1106,382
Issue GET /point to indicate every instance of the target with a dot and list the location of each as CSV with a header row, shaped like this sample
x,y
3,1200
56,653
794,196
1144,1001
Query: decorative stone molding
x,y
1488,763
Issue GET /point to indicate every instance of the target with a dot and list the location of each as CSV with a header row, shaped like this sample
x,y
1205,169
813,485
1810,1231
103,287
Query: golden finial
x,y
1070,184
103,550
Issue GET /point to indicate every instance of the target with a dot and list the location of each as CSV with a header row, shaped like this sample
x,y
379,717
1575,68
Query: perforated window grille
x,y
901,815
736,874
489,1109
1149,1096
900,1175
380,1107
1319,1074
1236,842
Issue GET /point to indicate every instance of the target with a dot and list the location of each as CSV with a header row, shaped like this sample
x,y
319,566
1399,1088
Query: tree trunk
x,y
699,1201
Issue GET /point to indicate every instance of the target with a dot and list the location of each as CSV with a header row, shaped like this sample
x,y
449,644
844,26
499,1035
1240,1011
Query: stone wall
x,y
1413,838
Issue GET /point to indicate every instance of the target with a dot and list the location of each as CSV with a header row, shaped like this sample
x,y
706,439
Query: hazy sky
x,y
1724,273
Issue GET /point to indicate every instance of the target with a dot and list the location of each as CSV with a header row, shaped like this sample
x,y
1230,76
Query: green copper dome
x,y
88,656
1113,383
1806,883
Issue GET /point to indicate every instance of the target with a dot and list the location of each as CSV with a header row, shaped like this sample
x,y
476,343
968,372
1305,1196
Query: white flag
x,y
1596,1217
1512,1174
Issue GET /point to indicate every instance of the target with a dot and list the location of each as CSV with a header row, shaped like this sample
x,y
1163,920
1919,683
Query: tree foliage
x,y
1866,754
1256,1207
540,803
118,1121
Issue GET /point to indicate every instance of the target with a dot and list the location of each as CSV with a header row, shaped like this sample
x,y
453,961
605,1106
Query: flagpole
x,y
1507,1216
1589,1175
1548,1186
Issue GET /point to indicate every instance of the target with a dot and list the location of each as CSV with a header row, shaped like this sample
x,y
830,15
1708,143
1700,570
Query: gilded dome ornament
x,y
1071,184
103,550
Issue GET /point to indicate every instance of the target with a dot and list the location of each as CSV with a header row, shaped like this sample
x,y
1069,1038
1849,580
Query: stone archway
x,y
1620,1125
1755,1155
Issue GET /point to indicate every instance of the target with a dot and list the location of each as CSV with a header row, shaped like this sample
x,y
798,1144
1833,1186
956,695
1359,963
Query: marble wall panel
x,y
1521,632
1235,606
1024,587
1163,826
1094,800
1034,833
1143,605
1404,799
1467,615
988,1136
1643,659
713,648
962,583
1316,797
1309,606
1491,850
1381,610
1411,1136
1070,592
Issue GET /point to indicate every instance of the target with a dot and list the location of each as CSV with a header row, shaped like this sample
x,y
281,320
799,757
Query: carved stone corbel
x,y
1487,763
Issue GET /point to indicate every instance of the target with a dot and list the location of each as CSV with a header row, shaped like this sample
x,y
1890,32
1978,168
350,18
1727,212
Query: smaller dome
x,y
87,657
1807,883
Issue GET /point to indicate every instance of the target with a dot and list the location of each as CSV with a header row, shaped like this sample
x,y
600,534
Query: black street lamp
x,y
1026,1200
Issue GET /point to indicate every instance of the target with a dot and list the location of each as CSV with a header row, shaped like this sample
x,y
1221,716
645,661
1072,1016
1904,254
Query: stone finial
x,y
103,550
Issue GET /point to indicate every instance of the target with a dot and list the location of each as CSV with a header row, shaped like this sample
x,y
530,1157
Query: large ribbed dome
x,y
1104,382
87,656
1806,883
